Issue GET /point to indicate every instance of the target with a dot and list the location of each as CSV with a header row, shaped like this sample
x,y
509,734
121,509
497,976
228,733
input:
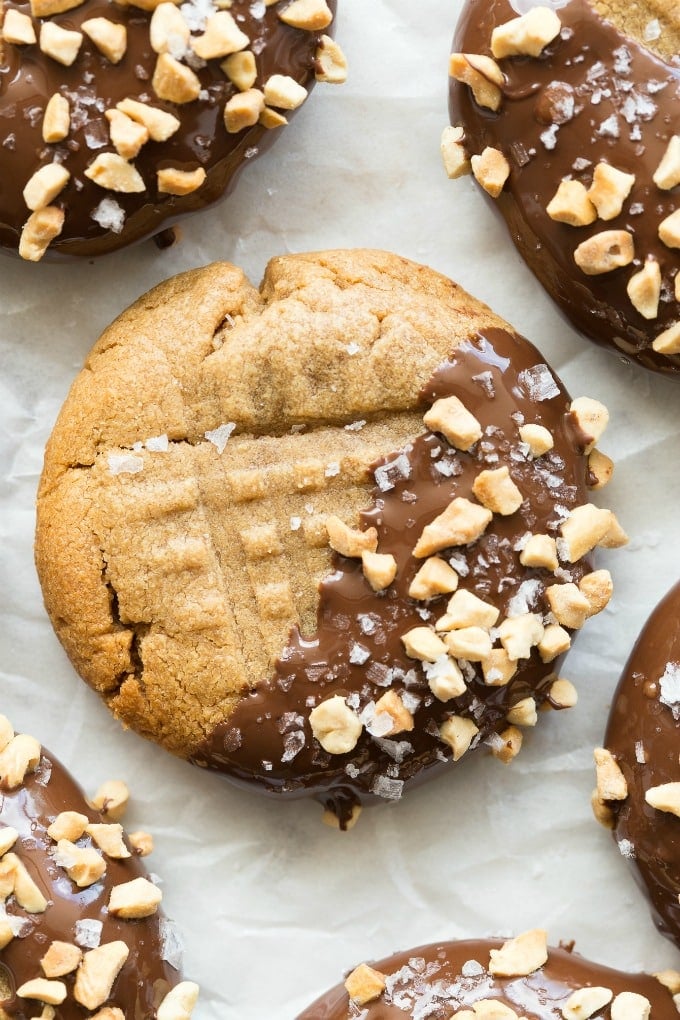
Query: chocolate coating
x,y
28,79
443,977
644,723
267,741
592,96
145,977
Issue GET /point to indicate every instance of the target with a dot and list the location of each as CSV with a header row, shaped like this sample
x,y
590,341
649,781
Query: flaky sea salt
x,y
524,598
332,469
471,968
358,654
626,848
158,444
88,933
295,523
219,437
124,463
172,948
389,789
539,383
669,686
640,756
196,13
109,215
609,128
355,426
386,475
352,348
292,745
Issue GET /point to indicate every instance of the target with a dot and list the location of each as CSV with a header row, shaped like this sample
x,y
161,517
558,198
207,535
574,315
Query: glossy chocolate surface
x,y
432,981
93,85
592,96
145,977
643,734
357,650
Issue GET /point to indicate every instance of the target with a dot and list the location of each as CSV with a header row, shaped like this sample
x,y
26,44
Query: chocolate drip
x,y
643,733
357,650
145,977
93,85
452,975
592,96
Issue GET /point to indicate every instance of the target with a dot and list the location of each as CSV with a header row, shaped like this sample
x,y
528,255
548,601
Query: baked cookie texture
x,y
638,787
494,980
566,118
249,540
81,931
119,118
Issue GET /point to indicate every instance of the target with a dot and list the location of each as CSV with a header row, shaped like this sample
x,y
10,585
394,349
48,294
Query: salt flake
x,y
220,436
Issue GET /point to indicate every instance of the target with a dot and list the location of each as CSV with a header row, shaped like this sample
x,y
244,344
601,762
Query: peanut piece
x,y
540,551
585,528
330,819
26,892
309,15
284,92
46,8
271,119
22,754
68,825
435,577
538,438
570,204
111,799
365,984
615,536
44,186
667,174
172,181
379,569
523,713
454,154
519,634
111,171
97,972
57,120
526,36
8,837
483,76
465,609
491,170
668,342
445,679
498,668
563,693
178,1004
330,62
555,641
109,838
511,745
497,491
60,959
584,1002
604,252
141,843
17,28
450,416
609,190
159,124
241,69
644,289
173,81
222,36
168,30
665,798
461,523
611,783
458,732
391,704
422,643
335,725
127,136
138,898
670,979
597,588
109,37
568,605
83,865
669,230
243,110
470,643
592,418
350,541
60,44
601,467
602,812
520,956
52,992
631,1006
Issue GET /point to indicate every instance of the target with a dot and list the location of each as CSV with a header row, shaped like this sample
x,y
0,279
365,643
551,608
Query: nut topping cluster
x,y
83,966
202,59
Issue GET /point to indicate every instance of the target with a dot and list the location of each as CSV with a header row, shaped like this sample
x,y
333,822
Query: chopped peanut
x,y
335,725
585,1002
570,204
284,92
8,837
450,416
540,551
604,252
59,43
391,704
127,136
17,28
60,959
22,753
498,668
174,81
563,693
168,29
510,747
523,713
241,69
601,468
109,838
44,186
555,641
178,1004
68,825
83,865
482,75
422,643
520,956
585,527
380,569
111,171
330,62
445,679
222,36
497,491
670,979
519,634
97,972
435,577
331,819
26,892
138,898
271,119
611,784
47,8
602,811
57,120
172,181
458,732
526,36
465,609
630,1006
592,418
365,984
491,170
109,37
461,523
309,15
243,110
350,541
609,190
454,154
111,799
665,798
615,536
470,643
568,605
141,842
644,289
52,992
597,588
538,438
159,124
667,174
669,230
668,342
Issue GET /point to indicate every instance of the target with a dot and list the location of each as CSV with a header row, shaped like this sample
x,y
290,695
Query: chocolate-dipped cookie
x,y
327,536
520,979
638,791
81,933
567,121
120,117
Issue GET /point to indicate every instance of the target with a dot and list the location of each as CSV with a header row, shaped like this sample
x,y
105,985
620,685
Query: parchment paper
x,y
272,904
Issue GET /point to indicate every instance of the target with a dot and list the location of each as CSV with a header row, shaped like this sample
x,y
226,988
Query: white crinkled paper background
x,y
272,904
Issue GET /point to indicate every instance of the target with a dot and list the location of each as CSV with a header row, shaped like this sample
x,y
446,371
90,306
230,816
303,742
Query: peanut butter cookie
x,y
327,535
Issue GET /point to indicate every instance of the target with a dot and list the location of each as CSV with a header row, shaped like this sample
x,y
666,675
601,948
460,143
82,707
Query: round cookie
x,y
326,536
119,118
474,980
638,771
80,929
566,120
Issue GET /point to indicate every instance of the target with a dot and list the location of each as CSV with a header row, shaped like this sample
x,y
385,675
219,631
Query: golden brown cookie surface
x,y
186,520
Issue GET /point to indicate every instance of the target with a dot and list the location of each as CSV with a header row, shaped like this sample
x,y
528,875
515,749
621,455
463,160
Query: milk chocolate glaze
x,y
593,95
357,651
145,977
437,979
93,85
643,733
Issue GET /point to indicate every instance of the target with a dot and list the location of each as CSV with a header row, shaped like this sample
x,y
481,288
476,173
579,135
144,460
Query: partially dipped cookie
x,y
638,792
119,118
81,932
520,979
567,121
327,536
